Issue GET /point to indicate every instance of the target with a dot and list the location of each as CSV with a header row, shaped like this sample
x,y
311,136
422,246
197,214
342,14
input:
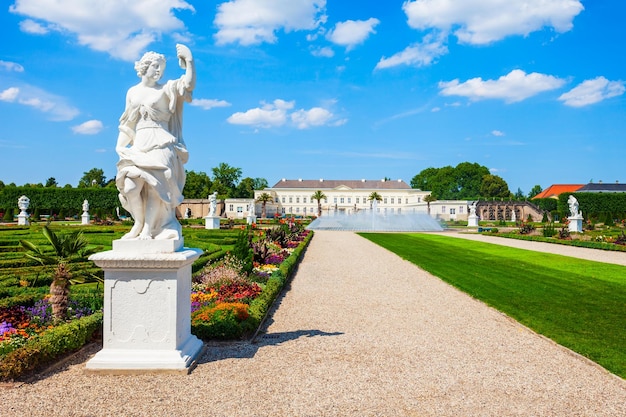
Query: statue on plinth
x,y
150,172
212,204
573,206
85,206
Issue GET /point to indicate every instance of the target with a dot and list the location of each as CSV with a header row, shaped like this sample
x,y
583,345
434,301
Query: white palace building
x,y
293,197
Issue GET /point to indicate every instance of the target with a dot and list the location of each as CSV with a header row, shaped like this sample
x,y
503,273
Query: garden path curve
x,y
360,332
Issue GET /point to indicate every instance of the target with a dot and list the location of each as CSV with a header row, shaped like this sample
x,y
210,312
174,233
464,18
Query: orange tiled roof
x,y
555,190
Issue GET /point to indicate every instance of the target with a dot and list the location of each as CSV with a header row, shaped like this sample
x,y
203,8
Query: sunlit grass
x,y
577,303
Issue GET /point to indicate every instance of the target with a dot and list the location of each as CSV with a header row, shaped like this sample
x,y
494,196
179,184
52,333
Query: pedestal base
x,y
211,222
147,307
22,220
472,221
575,224
86,218
251,219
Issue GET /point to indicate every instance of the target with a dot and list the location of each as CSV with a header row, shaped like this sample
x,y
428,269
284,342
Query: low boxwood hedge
x,y
40,351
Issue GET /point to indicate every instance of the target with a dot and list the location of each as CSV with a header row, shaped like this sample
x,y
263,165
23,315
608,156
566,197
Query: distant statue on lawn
x,y
212,204
22,203
573,206
472,208
150,172
85,206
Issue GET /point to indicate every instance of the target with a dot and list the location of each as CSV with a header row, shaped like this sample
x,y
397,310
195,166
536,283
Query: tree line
x,y
466,181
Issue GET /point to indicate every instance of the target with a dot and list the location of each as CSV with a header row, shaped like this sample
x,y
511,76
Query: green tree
x,y
536,190
65,248
494,186
319,196
260,184
92,178
197,185
225,179
264,198
51,182
245,188
448,183
519,194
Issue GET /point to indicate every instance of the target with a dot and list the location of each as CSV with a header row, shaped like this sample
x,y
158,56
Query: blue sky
x,y
333,89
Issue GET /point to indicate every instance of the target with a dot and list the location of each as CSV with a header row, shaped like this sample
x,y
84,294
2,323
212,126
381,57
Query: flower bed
x,y
228,302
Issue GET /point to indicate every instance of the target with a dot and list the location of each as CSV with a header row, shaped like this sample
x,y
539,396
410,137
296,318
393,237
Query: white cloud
x,y
90,127
513,87
11,66
485,21
352,32
317,116
278,114
324,52
269,115
120,28
32,27
497,133
419,54
10,94
208,104
251,22
592,91
55,106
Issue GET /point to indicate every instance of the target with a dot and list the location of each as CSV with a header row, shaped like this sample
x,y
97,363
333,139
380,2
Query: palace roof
x,y
555,190
323,184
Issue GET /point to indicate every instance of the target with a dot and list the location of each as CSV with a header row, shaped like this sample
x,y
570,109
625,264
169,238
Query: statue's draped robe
x,y
157,155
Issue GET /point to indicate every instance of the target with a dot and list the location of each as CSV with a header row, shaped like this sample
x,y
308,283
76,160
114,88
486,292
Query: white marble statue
x,y
212,204
85,206
472,208
22,203
150,172
573,206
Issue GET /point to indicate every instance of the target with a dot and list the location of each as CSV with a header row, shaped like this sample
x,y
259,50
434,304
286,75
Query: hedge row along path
x,y
360,332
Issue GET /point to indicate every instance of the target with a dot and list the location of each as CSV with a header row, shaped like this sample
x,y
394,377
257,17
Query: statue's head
x,y
148,58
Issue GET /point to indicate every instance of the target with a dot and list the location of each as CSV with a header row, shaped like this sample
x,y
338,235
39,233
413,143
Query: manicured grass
x,y
577,303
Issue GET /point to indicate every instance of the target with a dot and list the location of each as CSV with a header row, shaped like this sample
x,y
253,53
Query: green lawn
x,y
578,304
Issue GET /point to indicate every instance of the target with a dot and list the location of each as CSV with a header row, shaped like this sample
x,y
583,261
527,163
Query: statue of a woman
x,y
150,172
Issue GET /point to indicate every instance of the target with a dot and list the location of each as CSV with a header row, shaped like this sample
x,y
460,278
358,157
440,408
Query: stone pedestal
x,y
251,219
211,222
472,220
575,224
147,308
22,219
86,218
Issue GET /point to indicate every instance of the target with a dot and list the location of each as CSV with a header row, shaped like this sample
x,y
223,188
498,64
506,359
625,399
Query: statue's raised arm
x,y
150,172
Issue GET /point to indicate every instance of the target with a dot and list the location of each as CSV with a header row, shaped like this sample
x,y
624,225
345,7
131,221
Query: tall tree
x,y
225,178
448,183
319,196
519,194
51,182
535,191
92,178
197,185
494,186
245,188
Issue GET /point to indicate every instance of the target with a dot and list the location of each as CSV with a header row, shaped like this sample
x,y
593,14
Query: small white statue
x,y
22,203
212,204
150,172
472,208
573,206
252,208
85,206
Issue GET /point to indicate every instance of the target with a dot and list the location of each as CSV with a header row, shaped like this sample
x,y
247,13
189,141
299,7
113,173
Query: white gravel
x,y
359,333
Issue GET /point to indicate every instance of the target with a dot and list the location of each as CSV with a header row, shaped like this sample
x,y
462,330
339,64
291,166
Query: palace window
x,y
443,209
392,200
385,200
291,199
357,200
341,200
297,199
283,199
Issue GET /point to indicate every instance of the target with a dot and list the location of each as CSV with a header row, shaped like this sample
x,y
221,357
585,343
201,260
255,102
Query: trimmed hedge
x,y
57,199
593,205
42,350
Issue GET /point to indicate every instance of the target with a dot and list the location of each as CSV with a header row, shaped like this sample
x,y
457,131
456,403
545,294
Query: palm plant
x,y
264,199
429,199
319,196
374,196
65,248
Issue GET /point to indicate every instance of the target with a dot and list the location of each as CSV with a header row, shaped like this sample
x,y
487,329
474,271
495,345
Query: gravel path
x,y
359,333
